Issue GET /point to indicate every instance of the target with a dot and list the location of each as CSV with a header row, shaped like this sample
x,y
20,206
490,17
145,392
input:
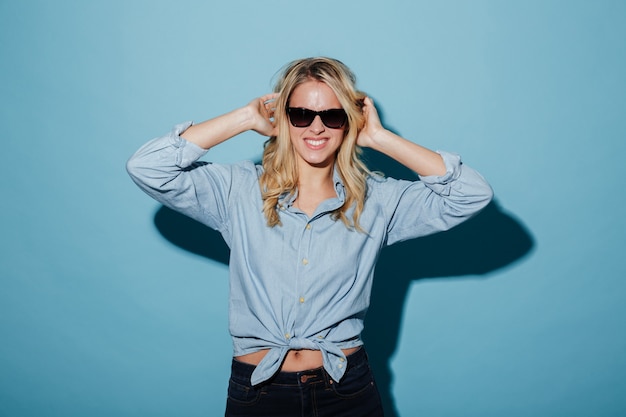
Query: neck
x,y
315,184
312,176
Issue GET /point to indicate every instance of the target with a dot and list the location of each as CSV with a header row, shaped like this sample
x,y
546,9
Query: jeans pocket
x,y
357,381
242,394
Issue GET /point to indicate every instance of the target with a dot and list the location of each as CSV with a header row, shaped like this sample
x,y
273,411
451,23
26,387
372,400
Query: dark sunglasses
x,y
332,118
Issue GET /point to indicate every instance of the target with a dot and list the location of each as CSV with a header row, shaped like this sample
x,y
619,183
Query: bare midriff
x,y
295,361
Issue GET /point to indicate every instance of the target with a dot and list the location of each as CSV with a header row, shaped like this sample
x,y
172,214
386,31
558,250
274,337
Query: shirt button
x,y
301,300
287,336
340,366
342,359
305,261
308,226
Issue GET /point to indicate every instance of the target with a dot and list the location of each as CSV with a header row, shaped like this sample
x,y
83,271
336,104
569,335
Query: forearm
x,y
421,160
215,131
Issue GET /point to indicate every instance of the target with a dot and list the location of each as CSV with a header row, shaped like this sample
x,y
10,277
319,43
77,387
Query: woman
x,y
305,230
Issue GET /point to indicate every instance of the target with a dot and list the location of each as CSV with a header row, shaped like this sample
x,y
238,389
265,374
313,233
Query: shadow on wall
x,y
487,242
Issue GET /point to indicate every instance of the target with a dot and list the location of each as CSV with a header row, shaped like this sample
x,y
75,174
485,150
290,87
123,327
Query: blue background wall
x,y
110,305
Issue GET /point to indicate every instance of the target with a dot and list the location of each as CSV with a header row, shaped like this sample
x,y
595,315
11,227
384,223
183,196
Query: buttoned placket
x,y
301,283
303,276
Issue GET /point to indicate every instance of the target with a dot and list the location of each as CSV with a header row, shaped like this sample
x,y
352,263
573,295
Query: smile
x,y
315,143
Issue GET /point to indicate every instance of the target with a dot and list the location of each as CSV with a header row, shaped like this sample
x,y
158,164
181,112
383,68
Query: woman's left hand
x,y
372,125
413,156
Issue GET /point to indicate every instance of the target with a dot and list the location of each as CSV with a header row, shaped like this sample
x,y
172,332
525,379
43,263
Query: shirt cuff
x,y
187,152
441,184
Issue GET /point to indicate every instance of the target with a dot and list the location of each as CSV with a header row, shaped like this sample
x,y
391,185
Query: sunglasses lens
x,y
332,118
300,117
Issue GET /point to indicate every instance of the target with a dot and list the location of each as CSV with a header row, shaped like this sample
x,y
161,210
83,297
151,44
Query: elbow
x,y
132,167
488,196
483,198
135,169
482,191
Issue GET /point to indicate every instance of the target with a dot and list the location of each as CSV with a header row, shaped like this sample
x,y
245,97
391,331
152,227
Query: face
x,y
315,145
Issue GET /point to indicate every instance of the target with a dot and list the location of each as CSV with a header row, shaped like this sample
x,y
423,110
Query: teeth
x,y
315,142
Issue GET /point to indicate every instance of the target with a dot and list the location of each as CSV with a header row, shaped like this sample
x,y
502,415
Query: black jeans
x,y
305,394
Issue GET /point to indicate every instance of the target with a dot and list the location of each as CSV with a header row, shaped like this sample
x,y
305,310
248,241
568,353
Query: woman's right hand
x,y
262,114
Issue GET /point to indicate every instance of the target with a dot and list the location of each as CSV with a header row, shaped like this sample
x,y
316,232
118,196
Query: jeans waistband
x,y
241,372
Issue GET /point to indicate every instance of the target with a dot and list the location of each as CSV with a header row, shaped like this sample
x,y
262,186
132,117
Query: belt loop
x,y
328,381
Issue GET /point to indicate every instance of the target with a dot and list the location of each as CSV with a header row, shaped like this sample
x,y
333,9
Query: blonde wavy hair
x,y
280,173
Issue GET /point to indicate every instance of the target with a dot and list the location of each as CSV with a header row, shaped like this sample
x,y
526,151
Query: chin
x,y
319,162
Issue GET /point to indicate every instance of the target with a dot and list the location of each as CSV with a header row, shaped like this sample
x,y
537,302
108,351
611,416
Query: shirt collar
x,y
339,186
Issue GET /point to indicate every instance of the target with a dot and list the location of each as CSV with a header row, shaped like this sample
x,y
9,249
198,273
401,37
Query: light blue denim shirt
x,y
304,284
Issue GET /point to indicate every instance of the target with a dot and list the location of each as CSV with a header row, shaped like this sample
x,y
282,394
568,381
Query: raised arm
x,y
166,168
449,191
256,115
421,160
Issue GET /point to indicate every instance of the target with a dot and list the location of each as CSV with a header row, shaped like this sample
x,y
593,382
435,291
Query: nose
x,y
317,126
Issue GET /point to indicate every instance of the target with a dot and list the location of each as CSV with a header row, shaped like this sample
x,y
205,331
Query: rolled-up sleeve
x,y
435,203
167,169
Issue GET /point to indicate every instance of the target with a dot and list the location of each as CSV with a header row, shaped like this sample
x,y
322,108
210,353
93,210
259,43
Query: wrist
x,y
244,117
380,139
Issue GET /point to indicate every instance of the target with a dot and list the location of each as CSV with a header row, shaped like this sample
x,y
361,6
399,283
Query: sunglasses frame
x,y
322,114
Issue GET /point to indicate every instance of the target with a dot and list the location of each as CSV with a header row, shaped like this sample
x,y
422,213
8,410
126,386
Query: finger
x,y
270,108
269,97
